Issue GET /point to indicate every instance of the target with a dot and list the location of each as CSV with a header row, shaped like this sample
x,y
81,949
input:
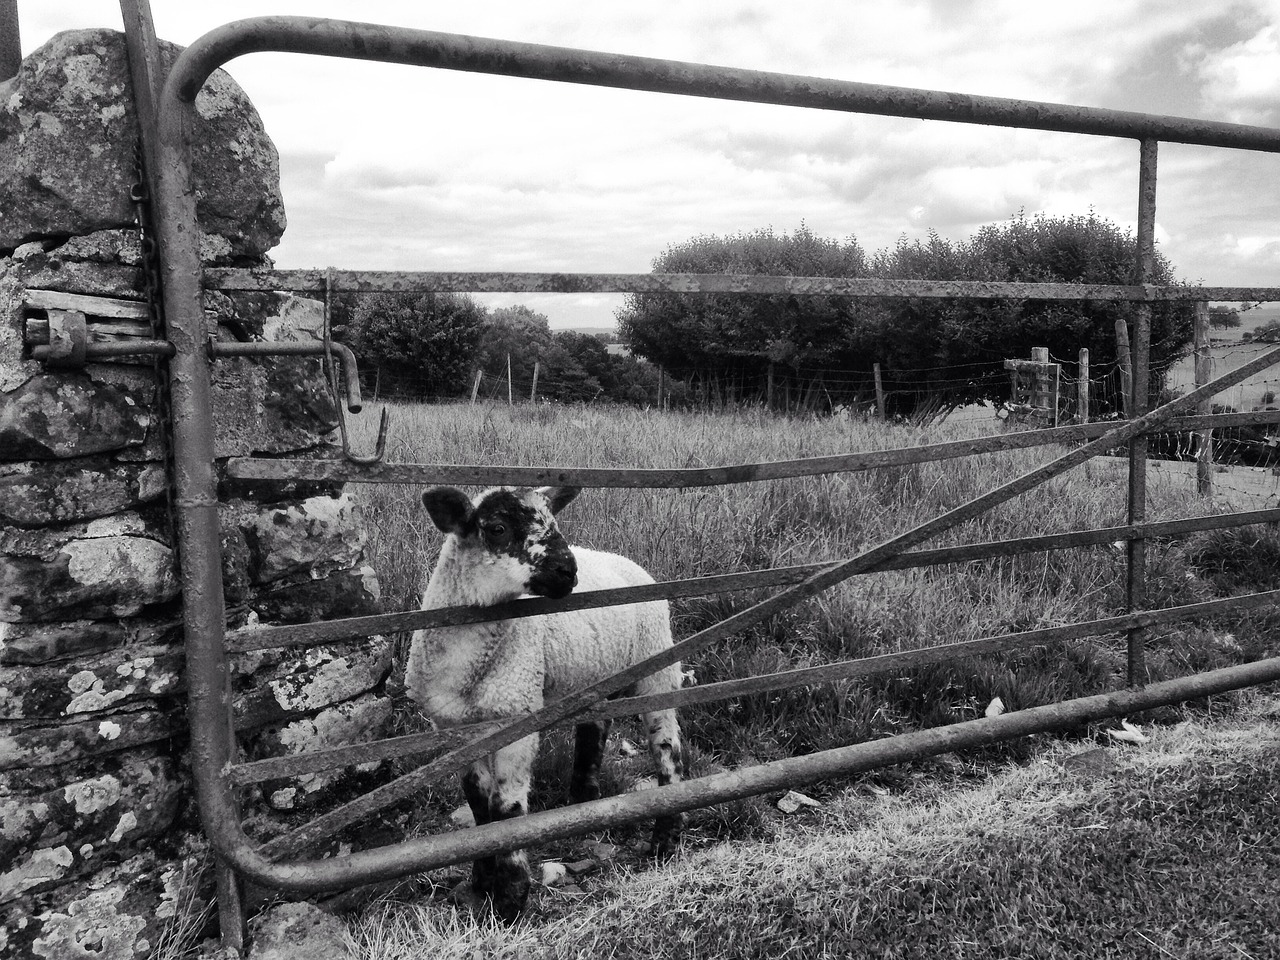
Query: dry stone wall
x,y
97,817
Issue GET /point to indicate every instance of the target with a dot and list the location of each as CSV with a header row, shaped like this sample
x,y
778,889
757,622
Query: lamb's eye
x,y
497,531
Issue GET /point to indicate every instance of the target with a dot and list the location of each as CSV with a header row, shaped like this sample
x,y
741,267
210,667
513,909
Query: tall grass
x,y
678,534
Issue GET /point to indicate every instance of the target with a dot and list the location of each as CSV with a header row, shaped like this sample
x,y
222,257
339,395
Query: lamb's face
x,y
512,536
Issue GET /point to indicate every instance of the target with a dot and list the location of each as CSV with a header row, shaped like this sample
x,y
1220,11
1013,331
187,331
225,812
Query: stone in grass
x,y
599,850
792,801
293,931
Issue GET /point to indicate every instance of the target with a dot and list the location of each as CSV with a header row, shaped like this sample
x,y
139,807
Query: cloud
x,y
403,168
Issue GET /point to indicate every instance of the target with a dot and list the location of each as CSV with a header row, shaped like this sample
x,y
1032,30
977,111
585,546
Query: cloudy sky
x,y
388,167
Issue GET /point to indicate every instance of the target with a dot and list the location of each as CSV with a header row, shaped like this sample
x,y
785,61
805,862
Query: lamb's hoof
x,y
666,836
584,792
482,876
509,901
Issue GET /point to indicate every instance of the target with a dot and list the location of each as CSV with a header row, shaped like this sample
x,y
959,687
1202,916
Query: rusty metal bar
x,y
365,41
262,468
10,41
336,757
1144,268
287,348
397,281
458,846
108,350
333,631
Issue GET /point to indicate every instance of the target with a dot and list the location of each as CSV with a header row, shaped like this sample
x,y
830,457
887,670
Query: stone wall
x,y
97,817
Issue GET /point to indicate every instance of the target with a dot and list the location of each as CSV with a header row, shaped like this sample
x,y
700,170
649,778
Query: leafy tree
x,y
421,344
948,349
725,333
967,336
517,332
1224,318
1268,332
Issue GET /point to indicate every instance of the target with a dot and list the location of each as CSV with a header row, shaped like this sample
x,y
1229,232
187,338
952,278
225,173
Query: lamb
x,y
503,545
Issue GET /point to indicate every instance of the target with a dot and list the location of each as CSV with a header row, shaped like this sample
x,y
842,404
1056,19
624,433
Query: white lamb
x,y
500,546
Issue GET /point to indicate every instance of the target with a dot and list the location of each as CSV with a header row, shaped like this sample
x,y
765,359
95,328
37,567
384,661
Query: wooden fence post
x,y
1082,387
875,370
1126,367
1203,373
510,399
533,393
475,387
768,388
662,388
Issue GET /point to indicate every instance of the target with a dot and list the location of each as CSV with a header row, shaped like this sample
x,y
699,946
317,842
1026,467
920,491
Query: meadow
x,y
678,534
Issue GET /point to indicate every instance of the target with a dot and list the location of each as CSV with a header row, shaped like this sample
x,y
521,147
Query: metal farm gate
x,y
282,863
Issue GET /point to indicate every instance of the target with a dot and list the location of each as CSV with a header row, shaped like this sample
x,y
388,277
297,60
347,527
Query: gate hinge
x,y
67,330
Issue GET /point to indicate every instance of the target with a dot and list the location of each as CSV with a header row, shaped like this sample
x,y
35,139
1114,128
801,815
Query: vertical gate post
x,y
1204,373
1140,350
10,42
1082,387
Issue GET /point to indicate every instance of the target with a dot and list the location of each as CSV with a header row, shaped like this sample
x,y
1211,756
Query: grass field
x,y
678,534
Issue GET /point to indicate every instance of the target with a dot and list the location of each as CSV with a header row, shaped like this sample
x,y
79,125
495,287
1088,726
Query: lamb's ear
x,y
449,509
559,497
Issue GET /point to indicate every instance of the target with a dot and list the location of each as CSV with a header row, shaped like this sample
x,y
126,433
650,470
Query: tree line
x,y
431,345
950,349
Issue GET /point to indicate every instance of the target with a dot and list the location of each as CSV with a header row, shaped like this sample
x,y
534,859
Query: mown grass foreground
x,y
1166,849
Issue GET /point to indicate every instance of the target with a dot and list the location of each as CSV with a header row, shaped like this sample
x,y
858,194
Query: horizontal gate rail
x,y
545,826
333,631
270,468
257,771
397,281
425,48
197,523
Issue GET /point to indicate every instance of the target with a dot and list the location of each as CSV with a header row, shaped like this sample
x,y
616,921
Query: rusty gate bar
x,y
197,521
366,41
331,758
399,281
248,639
1139,388
548,825
581,700
269,468
10,42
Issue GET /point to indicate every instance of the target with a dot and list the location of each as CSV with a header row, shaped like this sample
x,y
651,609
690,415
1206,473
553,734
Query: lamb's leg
x,y
512,769
587,755
664,747
475,784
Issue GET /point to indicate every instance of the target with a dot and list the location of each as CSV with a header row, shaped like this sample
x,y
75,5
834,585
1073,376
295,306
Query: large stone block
x,y
112,567
310,681
72,415
91,685
274,404
347,593
121,913
67,133
26,743
316,536
30,644
51,492
95,811
355,721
